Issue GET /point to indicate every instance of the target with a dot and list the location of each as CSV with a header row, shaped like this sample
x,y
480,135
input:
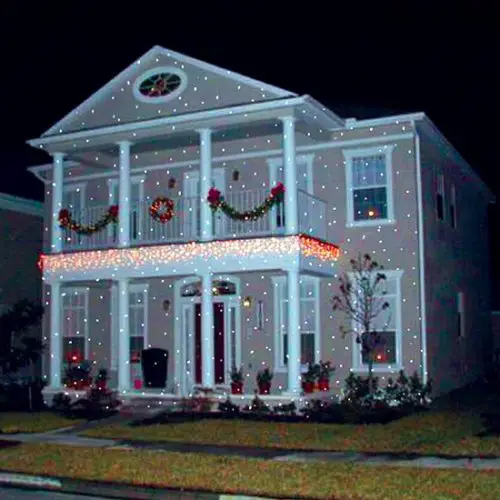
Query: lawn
x,y
251,476
443,432
14,422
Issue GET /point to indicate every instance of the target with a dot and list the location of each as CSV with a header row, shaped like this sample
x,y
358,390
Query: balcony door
x,y
74,201
192,197
136,208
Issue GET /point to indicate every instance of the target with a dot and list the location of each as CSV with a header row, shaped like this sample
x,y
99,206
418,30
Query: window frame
x,y
357,362
275,163
440,192
453,207
349,156
461,316
278,283
144,289
85,291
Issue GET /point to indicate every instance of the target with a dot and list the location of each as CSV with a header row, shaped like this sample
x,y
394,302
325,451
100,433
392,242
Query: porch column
x,y
124,195
57,199
123,336
205,183
290,176
294,376
55,335
207,331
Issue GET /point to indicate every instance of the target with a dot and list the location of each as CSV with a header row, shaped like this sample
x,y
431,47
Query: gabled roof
x,y
21,205
149,56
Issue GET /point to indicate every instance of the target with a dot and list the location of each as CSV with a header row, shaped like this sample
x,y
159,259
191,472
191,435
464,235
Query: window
x,y
453,209
369,185
388,353
75,304
309,320
460,315
74,201
138,314
440,197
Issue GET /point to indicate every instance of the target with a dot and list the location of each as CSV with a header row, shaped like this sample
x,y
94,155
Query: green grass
x,y
14,422
443,432
251,476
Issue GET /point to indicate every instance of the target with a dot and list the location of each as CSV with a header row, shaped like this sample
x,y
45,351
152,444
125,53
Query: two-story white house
x,y
143,261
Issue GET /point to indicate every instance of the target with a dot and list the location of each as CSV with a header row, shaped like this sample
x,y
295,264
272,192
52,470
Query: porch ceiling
x,y
253,254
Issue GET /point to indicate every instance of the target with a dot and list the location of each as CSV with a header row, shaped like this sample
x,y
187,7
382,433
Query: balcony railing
x,y
185,224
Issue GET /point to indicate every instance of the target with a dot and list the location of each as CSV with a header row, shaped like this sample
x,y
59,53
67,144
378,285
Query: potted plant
x,y
236,380
326,370
101,379
264,378
310,378
78,375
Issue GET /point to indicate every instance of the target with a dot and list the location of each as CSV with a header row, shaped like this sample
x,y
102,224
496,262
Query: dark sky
x,y
423,56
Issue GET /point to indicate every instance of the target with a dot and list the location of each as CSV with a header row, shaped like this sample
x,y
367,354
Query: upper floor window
x,y
440,197
460,315
369,186
453,208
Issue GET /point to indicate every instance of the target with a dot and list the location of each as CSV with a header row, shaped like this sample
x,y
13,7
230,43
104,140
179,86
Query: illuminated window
x,y
387,354
369,185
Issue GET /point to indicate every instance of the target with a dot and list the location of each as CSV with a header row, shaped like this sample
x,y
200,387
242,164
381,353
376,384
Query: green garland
x,y
217,202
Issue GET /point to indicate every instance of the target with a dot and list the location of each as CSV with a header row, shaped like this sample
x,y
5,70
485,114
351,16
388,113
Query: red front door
x,y
218,343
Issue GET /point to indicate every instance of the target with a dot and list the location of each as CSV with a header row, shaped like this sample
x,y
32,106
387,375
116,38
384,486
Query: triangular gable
x,y
203,86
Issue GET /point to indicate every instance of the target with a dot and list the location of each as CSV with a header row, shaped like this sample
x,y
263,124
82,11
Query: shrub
x,y
229,408
196,404
22,395
408,391
257,406
97,404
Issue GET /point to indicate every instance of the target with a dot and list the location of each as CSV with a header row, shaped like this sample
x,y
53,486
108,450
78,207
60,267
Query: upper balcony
x,y
185,225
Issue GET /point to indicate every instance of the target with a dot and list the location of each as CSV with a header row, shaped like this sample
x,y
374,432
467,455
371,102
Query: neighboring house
x,y
21,229
172,126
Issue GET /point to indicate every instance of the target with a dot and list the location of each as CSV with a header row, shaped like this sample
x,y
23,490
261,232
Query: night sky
x,y
365,63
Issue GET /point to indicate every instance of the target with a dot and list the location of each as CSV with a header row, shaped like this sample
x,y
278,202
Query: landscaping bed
x,y
233,475
21,422
430,432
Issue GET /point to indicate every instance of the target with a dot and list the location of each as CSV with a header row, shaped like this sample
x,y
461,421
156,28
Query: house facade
x,y
21,227
142,260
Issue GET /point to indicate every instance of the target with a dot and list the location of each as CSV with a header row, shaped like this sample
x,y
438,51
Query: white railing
x,y
185,224
312,215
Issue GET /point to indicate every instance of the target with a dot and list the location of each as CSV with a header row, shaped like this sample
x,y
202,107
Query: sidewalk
x,y
66,437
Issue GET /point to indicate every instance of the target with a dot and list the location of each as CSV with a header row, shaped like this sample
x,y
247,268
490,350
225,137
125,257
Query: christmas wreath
x,y
66,222
162,209
217,202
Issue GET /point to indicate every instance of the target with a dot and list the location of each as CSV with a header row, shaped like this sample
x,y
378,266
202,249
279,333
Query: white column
x,y
291,204
206,183
124,195
57,199
55,335
294,376
207,331
123,336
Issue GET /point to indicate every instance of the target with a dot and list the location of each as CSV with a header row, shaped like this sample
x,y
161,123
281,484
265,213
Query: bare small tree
x,y
362,300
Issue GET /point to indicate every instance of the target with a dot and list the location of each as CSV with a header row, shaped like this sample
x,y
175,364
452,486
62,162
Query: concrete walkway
x,y
69,438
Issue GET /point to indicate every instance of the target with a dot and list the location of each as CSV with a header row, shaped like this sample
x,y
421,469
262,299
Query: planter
x,y
236,387
264,388
308,387
324,385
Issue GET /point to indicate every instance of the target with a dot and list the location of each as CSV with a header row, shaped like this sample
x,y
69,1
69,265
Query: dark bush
x,y
97,404
22,395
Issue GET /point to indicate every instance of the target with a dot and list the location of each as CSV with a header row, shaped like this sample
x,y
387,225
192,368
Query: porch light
x,y
247,302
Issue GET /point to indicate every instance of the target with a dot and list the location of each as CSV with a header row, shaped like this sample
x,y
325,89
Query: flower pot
x,y
308,387
137,383
264,388
324,385
236,387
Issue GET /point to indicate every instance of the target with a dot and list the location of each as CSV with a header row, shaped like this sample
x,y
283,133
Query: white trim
x,y
180,380
357,365
144,289
353,123
154,71
21,205
349,154
114,330
280,281
146,59
235,157
174,121
72,290
421,259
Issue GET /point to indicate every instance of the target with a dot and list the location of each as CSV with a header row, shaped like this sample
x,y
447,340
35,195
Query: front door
x,y
219,344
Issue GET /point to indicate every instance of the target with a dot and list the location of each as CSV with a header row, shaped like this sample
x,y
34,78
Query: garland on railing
x,y
217,202
66,222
